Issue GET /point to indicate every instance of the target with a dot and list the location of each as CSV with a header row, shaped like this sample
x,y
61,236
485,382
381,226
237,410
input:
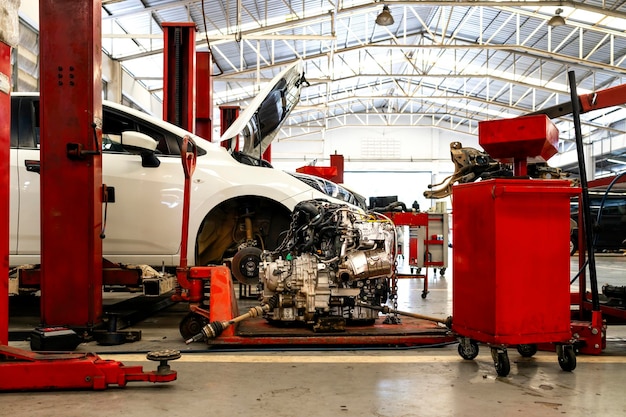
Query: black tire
x,y
527,351
442,271
502,364
567,358
470,352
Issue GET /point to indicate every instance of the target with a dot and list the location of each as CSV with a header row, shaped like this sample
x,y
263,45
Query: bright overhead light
x,y
557,19
616,161
385,18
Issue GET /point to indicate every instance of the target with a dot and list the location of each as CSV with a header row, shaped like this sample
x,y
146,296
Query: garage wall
x,y
379,161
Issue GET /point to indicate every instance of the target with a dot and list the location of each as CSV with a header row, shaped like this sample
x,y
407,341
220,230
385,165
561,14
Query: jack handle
x,y
189,155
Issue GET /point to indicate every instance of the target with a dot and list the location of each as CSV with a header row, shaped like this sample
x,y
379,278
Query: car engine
x,y
333,262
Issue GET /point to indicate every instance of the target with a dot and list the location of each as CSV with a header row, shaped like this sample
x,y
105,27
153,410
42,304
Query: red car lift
x,y
70,111
179,74
204,95
5,146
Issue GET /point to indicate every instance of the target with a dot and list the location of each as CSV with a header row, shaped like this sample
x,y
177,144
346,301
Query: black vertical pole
x,y
586,208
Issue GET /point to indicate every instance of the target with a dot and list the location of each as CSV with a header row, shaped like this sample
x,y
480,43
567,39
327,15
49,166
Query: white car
x,y
234,205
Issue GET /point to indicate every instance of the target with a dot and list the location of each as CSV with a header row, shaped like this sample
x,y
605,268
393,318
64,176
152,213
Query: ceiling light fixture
x,y
557,19
384,18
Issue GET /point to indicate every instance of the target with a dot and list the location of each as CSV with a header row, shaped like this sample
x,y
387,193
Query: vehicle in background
x,y
610,231
234,205
332,189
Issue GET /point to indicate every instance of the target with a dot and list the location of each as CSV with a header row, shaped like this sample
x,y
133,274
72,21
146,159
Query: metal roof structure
x,y
446,64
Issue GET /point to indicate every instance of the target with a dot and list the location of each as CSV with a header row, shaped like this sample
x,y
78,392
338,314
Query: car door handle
x,y
33,166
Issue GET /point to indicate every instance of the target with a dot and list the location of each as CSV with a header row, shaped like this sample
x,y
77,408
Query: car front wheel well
x,y
240,222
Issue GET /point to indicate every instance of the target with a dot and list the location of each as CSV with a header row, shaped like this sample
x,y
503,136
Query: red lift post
x,y
204,95
73,170
6,39
71,163
228,115
179,74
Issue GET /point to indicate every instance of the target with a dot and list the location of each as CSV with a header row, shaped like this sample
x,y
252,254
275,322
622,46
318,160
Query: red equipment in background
x,y
510,287
428,242
204,95
332,173
228,115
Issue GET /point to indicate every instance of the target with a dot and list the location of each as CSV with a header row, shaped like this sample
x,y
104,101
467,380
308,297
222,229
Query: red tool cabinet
x,y
511,261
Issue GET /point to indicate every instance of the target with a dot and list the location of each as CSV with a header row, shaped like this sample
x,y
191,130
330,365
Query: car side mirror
x,y
142,144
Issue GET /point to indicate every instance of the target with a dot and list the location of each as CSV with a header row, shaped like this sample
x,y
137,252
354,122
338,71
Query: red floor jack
x,y
24,370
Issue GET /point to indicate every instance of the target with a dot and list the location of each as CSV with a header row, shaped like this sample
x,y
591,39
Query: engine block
x,y
334,260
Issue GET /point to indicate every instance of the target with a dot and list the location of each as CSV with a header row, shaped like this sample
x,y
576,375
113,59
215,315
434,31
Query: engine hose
x,y
385,309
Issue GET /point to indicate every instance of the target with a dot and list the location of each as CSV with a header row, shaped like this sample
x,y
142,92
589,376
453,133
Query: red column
x,y
337,162
71,164
5,145
228,115
204,95
179,81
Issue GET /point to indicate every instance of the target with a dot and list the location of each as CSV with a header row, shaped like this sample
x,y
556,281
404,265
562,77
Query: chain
x,y
393,318
394,289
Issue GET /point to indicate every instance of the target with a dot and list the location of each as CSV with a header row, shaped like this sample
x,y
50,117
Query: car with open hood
x,y
234,205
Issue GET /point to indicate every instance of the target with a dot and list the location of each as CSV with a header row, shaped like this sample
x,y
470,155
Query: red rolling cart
x,y
511,254
428,242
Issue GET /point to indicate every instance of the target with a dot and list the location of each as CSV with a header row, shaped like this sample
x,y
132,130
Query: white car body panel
x,y
143,225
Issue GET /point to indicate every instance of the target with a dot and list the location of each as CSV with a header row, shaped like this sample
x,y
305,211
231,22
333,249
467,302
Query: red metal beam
x,y
5,141
204,95
228,115
71,165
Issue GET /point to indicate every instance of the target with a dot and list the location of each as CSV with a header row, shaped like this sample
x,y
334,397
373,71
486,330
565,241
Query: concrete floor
x,y
427,381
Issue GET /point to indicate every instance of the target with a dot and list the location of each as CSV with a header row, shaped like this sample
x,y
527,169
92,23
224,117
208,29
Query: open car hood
x,y
260,122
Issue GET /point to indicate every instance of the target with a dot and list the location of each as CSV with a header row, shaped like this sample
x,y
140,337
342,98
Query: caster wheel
x,y
567,357
424,294
527,351
501,361
191,325
468,349
442,271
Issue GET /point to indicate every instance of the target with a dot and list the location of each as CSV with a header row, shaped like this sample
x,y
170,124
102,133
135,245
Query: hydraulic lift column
x,y
179,81
204,95
8,38
71,164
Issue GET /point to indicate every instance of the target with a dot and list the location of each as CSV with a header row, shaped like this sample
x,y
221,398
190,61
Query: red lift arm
x,y
613,96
